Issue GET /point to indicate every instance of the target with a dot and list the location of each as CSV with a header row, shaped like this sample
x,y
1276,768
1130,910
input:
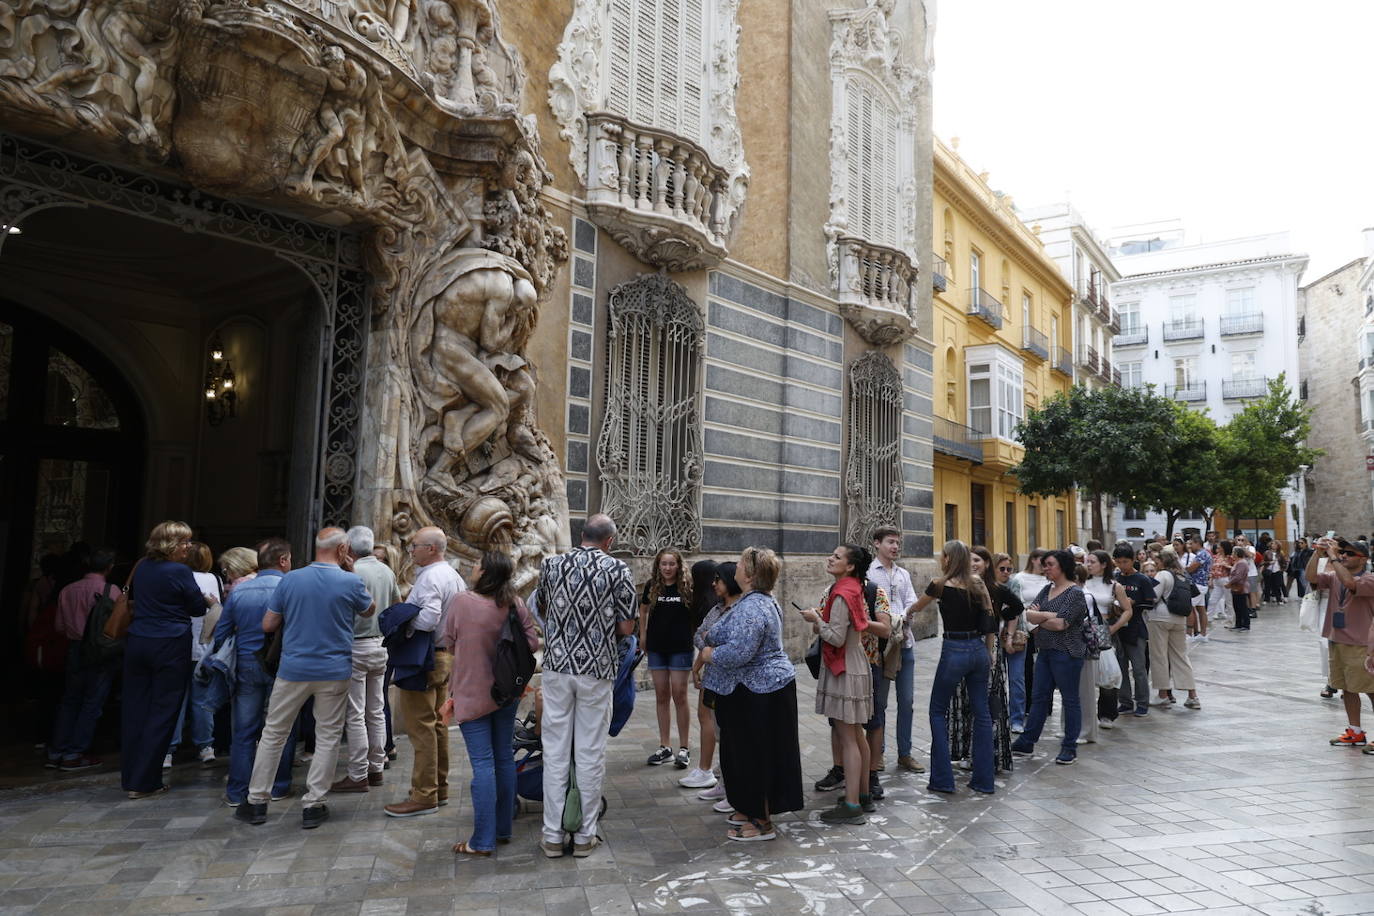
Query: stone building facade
x,y
1335,345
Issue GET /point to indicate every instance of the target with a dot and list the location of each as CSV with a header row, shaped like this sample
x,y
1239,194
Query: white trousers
x,y
287,699
576,721
365,721
1218,603
1087,698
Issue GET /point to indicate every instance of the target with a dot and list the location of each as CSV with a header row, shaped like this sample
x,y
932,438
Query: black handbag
x,y
813,658
269,656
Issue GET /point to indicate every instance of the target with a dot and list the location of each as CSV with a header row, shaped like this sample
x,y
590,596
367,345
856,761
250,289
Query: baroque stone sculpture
x,y
396,119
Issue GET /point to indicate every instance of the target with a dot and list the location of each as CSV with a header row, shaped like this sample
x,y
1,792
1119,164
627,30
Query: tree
x,y
1190,476
1105,441
1259,450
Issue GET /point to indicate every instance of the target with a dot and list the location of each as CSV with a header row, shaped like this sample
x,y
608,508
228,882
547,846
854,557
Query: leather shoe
x,y
409,808
314,816
251,813
374,779
443,797
348,785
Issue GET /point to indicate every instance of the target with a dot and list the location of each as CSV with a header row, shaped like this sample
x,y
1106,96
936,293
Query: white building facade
x,y
1083,260
1209,325
1365,352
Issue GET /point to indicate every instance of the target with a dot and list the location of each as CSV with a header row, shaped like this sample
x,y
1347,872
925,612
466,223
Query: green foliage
x,y
1190,476
1259,450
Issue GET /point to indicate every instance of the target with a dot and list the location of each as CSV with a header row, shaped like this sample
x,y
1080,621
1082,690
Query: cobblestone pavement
x,y
1239,808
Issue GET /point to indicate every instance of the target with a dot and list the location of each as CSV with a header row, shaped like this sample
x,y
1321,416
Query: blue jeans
x,y
252,691
83,699
1016,687
488,741
1055,669
963,660
202,701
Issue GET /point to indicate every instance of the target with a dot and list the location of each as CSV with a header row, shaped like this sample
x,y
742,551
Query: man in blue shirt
x,y
1198,564
242,619
316,607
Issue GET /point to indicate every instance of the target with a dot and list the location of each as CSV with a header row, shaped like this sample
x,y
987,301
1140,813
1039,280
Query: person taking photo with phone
x,y
1349,613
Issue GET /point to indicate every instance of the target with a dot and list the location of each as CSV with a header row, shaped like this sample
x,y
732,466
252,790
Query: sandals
x,y
1328,692
736,819
763,830
461,848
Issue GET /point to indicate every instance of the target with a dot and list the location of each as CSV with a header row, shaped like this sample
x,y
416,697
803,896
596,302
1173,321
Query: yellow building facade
x,y
1002,331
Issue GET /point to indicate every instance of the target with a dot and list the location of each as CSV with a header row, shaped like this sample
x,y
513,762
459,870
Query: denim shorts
x,y
672,661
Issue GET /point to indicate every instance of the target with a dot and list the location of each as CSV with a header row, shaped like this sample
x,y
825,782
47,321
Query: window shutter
x,y
693,69
645,56
854,148
620,35
657,63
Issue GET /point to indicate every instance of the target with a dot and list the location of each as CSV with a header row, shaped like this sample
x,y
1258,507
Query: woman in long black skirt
x,y
753,686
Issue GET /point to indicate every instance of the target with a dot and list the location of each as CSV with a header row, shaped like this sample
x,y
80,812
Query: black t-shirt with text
x,y
670,622
1140,588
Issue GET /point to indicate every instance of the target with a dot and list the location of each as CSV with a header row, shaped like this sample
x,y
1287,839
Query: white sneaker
x,y
1159,701
167,762
207,756
965,764
722,807
715,793
1106,723
697,778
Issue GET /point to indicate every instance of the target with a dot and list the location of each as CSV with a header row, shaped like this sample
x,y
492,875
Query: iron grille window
x,y
649,451
873,481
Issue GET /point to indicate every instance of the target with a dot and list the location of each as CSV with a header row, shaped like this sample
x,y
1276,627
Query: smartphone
x,y
1331,533
798,606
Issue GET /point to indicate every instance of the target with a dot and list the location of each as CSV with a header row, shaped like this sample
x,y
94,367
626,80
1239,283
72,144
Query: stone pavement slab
x,y
1241,807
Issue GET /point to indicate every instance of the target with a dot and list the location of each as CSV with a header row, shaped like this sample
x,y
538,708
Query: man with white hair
x,y
314,607
364,719
435,585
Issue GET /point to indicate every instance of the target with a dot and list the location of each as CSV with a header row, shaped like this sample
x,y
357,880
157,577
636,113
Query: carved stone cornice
x,y
575,97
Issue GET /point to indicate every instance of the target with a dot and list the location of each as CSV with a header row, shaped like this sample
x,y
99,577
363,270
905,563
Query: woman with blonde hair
x,y
970,633
753,687
665,635
1169,666
237,564
157,655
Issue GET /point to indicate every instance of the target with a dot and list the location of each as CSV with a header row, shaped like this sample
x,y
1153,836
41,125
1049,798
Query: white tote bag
x,y
1108,670
1312,612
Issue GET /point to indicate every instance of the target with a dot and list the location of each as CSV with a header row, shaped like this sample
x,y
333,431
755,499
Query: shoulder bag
x,y
117,626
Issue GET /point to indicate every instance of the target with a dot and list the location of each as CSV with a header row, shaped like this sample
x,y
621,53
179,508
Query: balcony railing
x,y
1232,325
874,275
1033,341
659,195
1135,337
1104,368
1194,391
1116,377
1063,362
957,440
1183,329
939,273
1236,388
1087,358
1087,294
981,304
1115,323
1104,308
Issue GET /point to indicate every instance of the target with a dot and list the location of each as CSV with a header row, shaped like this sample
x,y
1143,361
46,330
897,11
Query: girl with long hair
x,y
970,636
665,632
1169,665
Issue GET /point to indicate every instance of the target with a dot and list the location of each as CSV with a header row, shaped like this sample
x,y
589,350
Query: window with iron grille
x,y
873,479
649,452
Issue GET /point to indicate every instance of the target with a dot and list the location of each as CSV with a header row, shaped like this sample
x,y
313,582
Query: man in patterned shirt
x,y
586,600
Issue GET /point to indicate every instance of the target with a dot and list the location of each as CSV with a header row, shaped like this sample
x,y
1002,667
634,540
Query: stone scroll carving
x,y
395,123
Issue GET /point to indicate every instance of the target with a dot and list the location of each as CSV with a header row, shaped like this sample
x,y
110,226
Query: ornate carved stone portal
x,y
395,122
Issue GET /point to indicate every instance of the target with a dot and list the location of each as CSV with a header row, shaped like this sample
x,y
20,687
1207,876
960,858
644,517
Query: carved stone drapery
x,y
873,478
576,92
650,453
395,121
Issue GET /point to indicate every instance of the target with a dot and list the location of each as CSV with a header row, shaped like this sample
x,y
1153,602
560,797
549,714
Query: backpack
x,y
1179,601
97,649
513,665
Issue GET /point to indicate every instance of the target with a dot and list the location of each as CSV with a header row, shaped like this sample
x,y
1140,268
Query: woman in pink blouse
x,y
473,627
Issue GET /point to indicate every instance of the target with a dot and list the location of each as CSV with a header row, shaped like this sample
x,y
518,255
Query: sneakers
x,y
375,779
831,781
867,804
910,765
582,850
722,806
714,793
551,850
314,816
1193,703
167,762
844,813
682,759
1066,758
660,756
1124,707
1160,701
207,756
79,762
1349,738
1106,723
251,813
697,778
1022,751
875,787
1142,710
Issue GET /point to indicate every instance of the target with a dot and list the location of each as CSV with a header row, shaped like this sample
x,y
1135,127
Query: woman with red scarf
x,y
844,692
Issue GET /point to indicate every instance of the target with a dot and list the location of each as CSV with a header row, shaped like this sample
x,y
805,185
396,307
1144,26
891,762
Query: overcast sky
x,y
1239,116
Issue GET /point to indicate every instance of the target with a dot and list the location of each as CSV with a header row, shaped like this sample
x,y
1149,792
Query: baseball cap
x,y
1359,547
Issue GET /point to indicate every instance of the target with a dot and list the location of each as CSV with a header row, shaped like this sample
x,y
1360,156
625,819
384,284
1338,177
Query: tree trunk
x,y
1208,515
1097,515
1169,526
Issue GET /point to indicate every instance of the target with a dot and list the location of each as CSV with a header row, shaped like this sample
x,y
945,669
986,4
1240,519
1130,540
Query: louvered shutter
x,y
693,69
657,63
620,35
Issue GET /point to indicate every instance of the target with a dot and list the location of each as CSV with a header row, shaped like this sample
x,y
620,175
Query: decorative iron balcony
x,y
875,291
939,273
1087,358
657,194
1033,341
1183,329
1233,325
981,304
1194,391
1104,368
1237,388
1116,377
1135,337
957,440
1087,294
1115,322
1104,309
1063,362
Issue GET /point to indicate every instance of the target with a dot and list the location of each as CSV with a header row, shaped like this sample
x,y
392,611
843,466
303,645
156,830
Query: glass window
x,y
73,398
1130,317
1182,308
1243,365
1025,310
951,521
997,398
1132,374
1185,371
980,397
975,270
1240,301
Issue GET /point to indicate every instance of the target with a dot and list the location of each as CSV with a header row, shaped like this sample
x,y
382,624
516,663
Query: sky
x,y
1240,117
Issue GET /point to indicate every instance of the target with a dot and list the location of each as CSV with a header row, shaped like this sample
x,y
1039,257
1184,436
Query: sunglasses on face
x,y
1351,553
1004,569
